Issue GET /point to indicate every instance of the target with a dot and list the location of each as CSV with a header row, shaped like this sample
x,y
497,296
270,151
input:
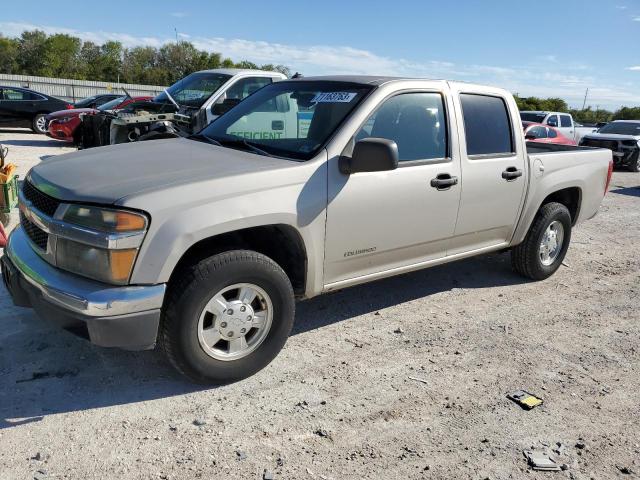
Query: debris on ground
x,y
267,475
199,422
624,470
541,461
525,399
240,455
416,379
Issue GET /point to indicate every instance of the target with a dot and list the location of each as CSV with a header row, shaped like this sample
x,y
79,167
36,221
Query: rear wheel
x,y
634,166
545,246
39,124
227,316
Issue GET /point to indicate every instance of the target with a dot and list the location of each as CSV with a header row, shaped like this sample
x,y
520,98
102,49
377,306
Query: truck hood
x,y
104,175
611,136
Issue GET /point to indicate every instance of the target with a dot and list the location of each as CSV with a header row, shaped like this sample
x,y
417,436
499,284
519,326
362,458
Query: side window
x,y
246,86
10,94
565,121
415,121
486,124
537,132
552,133
552,121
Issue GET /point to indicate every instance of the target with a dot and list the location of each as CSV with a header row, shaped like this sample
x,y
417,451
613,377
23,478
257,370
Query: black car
x,y
96,101
21,107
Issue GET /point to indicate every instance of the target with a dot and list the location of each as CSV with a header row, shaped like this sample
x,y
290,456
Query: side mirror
x,y
225,106
371,155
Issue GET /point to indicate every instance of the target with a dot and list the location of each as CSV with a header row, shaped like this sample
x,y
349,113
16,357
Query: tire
x,y
38,124
635,165
181,333
527,258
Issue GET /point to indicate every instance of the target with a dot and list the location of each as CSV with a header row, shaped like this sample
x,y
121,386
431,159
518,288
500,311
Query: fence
x,y
73,90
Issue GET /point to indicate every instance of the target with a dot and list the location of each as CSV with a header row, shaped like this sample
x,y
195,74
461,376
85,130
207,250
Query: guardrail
x,y
74,90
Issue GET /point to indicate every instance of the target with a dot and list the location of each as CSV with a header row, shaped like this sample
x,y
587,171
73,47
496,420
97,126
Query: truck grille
x,y
40,201
38,236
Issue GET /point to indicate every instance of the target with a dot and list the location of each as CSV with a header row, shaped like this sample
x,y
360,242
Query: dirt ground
x,y
404,378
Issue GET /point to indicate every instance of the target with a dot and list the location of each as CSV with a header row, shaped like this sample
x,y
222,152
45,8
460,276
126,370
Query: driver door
x,y
381,221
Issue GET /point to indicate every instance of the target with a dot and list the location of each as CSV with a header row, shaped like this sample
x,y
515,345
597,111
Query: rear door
x,y
493,170
566,127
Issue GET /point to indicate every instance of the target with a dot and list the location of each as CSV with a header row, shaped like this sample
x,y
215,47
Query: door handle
x,y
511,173
444,181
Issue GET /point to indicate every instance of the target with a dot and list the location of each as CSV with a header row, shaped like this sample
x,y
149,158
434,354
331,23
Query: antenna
x,y
176,30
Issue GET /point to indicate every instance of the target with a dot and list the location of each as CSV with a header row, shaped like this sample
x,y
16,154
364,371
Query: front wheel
x,y
39,124
545,246
227,316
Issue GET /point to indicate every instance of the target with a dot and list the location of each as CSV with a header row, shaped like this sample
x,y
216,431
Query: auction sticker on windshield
x,y
334,97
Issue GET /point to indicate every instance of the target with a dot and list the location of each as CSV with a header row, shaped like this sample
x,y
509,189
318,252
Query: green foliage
x,y
627,113
65,56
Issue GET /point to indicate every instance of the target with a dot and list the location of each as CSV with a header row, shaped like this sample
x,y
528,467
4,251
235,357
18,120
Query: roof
x,y
626,121
236,71
376,80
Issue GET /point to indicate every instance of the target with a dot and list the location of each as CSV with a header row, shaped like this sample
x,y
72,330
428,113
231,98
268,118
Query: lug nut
x,y
229,312
249,318
243,308
223,324
243,330
230,334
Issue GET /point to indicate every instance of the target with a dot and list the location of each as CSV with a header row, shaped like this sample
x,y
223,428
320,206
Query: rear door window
x,y
553,120
537,132
565,121
552,133
487,125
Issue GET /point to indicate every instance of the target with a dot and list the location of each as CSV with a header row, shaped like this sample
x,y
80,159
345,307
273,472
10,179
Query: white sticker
x,y
334,97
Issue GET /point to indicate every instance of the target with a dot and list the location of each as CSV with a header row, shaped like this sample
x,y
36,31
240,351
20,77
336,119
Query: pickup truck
x,y
203,244
185,107
563,122
622,137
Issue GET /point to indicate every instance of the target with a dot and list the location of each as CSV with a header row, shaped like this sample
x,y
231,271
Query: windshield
x,y
289,119
112,104
86,101
194,90
622,128
532,117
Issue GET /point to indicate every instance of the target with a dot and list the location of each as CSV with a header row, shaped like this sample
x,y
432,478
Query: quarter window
x,y
415,121
487,126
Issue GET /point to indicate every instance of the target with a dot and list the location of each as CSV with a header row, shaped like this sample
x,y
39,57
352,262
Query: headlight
x,y
88,256
105,220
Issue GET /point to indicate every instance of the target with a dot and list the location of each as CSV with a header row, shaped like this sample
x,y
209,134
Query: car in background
x,y
21,107
62,125
562,122
96,101
536,132
622,137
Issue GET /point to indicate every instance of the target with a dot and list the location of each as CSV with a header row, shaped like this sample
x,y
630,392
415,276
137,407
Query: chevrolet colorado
x,y
202,244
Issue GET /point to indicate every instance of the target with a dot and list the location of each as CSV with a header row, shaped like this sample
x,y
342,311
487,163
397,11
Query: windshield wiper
x,y
201,137
243,142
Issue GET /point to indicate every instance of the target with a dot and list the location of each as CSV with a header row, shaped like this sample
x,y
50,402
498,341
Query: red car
x,y
536,132
62,125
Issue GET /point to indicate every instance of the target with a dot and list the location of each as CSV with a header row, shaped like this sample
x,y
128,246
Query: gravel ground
x,y
404,378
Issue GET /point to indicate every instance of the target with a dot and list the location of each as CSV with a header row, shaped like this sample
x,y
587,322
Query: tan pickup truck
x,y
202,244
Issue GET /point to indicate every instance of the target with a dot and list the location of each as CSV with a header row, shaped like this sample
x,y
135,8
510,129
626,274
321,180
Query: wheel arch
x,y
570,197
280,242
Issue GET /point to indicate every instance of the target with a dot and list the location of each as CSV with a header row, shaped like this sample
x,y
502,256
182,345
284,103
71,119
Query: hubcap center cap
x,y
236,321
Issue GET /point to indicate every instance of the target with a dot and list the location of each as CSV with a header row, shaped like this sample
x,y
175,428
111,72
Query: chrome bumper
x,y
75,294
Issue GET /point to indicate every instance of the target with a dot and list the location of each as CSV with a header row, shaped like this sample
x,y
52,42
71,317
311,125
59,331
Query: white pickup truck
x,y
563,122
311,185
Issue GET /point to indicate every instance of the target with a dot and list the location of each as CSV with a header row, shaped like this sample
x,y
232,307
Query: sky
x,y
553,48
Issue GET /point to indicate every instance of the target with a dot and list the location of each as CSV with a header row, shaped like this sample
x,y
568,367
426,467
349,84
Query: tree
x,y
9,54
62,54
66,56
627,113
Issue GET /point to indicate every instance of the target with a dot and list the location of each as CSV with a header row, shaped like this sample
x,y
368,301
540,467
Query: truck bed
x,y
538,147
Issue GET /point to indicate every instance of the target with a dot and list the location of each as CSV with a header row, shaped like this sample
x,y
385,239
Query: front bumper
x,y
125,317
